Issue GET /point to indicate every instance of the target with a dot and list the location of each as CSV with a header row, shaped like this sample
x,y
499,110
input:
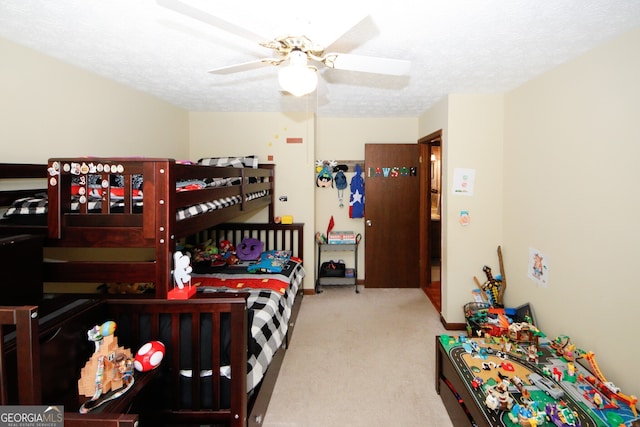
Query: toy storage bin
x,y
475,314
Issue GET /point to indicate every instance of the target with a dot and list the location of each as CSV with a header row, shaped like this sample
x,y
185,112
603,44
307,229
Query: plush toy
x,y
206,255
149,356
228,252
225,247
249,249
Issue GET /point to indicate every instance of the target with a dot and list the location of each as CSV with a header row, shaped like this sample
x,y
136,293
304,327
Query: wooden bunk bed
x,y
85,209
155,227
121,221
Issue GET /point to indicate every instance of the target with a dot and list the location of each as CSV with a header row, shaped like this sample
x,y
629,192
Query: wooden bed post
x,y
272,214
54,201
159,221
239,365
25,319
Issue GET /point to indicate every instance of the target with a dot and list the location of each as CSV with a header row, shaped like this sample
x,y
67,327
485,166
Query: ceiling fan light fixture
x,y
298,78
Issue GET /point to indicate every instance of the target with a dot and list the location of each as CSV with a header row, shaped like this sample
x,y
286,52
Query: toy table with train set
x,y
483,383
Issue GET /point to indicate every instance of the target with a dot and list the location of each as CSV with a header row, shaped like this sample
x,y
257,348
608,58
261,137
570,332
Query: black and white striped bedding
x,y
37,205
225,202
270,322
236,162
34,205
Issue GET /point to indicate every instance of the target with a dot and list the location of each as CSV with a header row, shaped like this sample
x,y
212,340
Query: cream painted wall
x,y
572,144
51,109
344,139
265,134
472,139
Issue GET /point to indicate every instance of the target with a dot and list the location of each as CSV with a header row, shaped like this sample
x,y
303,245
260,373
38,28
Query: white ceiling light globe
x,y
297,78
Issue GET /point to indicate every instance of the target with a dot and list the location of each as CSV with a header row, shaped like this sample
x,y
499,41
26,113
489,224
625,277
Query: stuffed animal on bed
x,y
228,252
206,252
249,249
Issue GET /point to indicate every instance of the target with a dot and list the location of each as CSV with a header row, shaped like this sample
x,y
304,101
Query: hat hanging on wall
x,y
324,178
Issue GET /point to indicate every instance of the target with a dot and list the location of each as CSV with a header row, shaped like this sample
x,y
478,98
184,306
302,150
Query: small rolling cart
x,y
350,275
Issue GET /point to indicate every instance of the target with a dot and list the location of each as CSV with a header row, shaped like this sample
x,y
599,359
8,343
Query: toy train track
x,y
607,387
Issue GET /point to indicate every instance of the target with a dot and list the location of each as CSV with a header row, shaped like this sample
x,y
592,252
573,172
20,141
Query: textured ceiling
x,y
455,46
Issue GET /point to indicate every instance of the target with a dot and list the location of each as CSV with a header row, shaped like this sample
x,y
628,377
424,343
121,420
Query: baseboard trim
x,y
452,326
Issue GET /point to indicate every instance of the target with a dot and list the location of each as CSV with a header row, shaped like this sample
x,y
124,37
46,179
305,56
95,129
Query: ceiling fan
x,y
296,51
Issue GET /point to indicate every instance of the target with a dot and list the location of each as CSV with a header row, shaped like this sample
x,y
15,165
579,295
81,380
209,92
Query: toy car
x,y
562,416
477,382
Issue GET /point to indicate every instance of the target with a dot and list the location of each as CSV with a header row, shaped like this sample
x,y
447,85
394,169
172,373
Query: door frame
x,y
426,142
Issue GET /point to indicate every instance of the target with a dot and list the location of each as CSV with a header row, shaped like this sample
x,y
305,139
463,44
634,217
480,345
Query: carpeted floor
x,y
363,359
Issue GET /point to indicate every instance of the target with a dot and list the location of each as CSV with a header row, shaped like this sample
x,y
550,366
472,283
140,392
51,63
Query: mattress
x,y
270,311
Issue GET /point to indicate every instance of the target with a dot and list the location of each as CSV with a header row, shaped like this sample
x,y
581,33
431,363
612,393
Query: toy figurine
x,y
181,275
532,354
506,345
98,332
124,366
182,271
493,288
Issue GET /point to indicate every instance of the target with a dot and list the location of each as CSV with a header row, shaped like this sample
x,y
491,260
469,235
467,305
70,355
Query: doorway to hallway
x,y
430,220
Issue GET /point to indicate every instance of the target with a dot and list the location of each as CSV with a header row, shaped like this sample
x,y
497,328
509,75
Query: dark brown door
x,y
392,189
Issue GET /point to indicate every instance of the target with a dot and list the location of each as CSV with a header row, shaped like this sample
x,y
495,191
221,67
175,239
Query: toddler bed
x,y
130,203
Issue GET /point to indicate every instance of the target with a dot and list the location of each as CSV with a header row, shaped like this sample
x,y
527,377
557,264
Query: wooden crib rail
x,y
274,236
25,321
152,312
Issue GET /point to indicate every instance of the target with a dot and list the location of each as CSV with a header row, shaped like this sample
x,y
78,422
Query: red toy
x,y
149,356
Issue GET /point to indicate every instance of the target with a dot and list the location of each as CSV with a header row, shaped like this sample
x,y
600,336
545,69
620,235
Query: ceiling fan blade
x,y
200,15
246,66
327,35
367,64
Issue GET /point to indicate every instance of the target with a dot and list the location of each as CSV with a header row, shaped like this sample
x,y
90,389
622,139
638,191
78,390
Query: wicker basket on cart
x,y
475,314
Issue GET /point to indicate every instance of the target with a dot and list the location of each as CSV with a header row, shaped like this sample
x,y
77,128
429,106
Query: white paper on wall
x,y
538,267
463,181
